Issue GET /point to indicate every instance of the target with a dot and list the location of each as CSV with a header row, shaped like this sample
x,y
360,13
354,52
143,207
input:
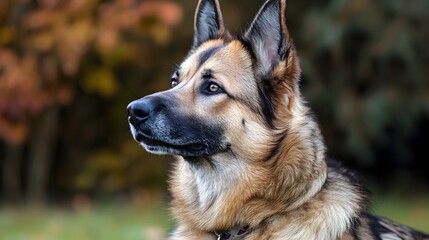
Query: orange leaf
x,y
170,13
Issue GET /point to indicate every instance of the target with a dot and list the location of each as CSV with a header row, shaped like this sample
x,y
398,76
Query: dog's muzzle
x,y
156,125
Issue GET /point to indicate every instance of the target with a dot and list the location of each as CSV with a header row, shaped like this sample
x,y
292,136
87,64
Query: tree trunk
x,y
12,173
41,149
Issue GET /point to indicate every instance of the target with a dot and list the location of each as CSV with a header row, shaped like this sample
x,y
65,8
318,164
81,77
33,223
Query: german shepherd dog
x,y
250,160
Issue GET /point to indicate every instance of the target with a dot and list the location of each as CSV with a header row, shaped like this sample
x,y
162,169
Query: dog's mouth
x,y
158,146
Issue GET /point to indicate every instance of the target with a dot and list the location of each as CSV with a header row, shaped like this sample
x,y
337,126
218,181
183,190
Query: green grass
x,y
151,221
412,211
103,222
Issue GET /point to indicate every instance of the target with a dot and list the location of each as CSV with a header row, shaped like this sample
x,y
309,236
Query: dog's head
x,y
229,94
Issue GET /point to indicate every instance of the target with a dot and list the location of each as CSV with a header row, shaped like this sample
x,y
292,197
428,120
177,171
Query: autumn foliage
x,y
52,51
43,44
68,69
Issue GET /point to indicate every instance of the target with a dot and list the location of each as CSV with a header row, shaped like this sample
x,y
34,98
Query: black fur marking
x,y
380,225
192,129
267,107
207,74
375,231
243,122
207,54
354,228
276,146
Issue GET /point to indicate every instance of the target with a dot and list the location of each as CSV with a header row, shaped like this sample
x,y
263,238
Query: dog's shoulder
x,y
366,225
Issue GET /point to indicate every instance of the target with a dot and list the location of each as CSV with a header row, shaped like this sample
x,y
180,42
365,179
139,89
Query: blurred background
x,y
69,168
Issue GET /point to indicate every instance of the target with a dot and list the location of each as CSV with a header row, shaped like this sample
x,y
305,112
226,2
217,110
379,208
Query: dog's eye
x,y
214,88
211,88
174,82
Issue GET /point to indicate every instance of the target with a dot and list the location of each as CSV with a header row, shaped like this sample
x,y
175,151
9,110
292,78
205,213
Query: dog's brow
x,y
207,73
205,55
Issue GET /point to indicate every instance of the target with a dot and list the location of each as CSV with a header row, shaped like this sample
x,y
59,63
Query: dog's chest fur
x,y
328,214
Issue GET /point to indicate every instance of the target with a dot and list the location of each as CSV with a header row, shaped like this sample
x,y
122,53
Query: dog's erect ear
x,y
268,36
208,22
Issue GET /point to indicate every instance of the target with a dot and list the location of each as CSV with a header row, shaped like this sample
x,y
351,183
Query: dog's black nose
x,y
139,111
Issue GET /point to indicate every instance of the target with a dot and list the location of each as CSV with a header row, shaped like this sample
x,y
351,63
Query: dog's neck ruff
x,y
233,234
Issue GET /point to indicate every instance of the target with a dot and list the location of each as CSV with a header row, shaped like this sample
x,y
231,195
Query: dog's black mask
x,y
157,124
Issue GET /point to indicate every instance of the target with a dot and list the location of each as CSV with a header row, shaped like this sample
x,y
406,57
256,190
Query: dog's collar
x,y
233,234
